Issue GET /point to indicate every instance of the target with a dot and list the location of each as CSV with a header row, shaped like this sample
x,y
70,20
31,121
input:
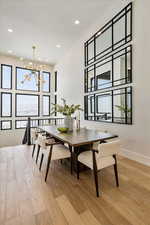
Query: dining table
x,y
78,140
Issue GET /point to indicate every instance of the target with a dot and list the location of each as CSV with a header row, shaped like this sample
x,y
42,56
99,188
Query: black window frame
x,y
6,121
56,81
27,95
109,59
95,117
2,65
109,25
20,121
49,73
38,87
47,96
6,93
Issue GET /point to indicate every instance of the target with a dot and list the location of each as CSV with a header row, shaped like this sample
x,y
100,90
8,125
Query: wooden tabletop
x,y
77,138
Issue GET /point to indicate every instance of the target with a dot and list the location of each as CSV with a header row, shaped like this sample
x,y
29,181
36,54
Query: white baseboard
x,y
136,157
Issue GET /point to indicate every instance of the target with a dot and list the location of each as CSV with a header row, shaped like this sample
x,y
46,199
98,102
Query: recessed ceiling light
x,y
10,30
58,46
10,51
76,22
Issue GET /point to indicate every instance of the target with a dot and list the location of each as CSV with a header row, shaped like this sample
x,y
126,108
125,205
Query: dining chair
x,y
99,158
34,135
56,151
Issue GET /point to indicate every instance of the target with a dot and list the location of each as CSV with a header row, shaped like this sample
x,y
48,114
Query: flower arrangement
x,y
65,109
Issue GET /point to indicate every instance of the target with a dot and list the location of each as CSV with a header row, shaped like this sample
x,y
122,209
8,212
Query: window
x,y
27,86
6,104
112,71
27,105
20,124
6,76
6,125
113,106
46,105
116,33
47,83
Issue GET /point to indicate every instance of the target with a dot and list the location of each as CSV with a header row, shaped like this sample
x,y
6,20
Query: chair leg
x,y
48,165
96,182
78,169
116,175
33,150
116,171
38,151
42,156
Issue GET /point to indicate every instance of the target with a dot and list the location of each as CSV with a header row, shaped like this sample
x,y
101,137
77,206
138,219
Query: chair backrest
x,y
109,149
34,134
41,140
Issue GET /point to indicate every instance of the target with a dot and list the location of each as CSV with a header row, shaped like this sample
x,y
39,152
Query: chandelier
x,y
34,70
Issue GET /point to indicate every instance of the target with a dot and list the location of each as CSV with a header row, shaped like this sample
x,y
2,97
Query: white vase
x,y
68,122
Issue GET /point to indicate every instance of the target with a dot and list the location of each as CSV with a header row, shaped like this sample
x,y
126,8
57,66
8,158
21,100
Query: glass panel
x,y
129,68
27,85
129,105
104,75
6,125
6,104
91,107
119,105
46,84
90,75
104,107
6,76
129,23
119,70
46,105
27,105
91,52
21,124
119,31
104,41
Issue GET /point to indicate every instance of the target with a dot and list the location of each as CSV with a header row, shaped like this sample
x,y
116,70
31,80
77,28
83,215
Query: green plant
x,y
65,109
123,109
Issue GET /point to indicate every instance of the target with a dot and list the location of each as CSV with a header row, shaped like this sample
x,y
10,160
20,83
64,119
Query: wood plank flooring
x,y
25,199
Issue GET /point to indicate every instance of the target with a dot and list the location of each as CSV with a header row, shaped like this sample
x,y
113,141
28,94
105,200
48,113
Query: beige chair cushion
x,y
60,152
87,159
108,149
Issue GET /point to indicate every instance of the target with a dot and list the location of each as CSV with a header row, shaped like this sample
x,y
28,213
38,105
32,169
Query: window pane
x,y
21,124
6,104
6,125
104,42
104,107
27,85
119,106
46,105
46,84
6,76
27,105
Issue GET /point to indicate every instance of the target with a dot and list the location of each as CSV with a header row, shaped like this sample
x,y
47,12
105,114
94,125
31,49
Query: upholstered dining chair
x,y
56,151
100,157
34,135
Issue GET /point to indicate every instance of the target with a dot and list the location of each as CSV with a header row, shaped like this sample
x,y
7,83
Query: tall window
x,y
27,105
46,105
47,81
6,104
27,86
6,76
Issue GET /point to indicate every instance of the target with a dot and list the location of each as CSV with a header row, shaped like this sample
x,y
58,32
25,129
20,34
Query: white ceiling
x,y
45,24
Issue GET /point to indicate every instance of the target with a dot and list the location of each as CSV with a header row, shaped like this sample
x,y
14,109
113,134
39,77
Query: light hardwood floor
x,y
25,199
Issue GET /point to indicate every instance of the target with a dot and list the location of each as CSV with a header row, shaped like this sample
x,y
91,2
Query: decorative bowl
x,y
63,129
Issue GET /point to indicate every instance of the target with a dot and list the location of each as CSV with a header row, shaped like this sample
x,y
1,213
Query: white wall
x,y
136,137
14,136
